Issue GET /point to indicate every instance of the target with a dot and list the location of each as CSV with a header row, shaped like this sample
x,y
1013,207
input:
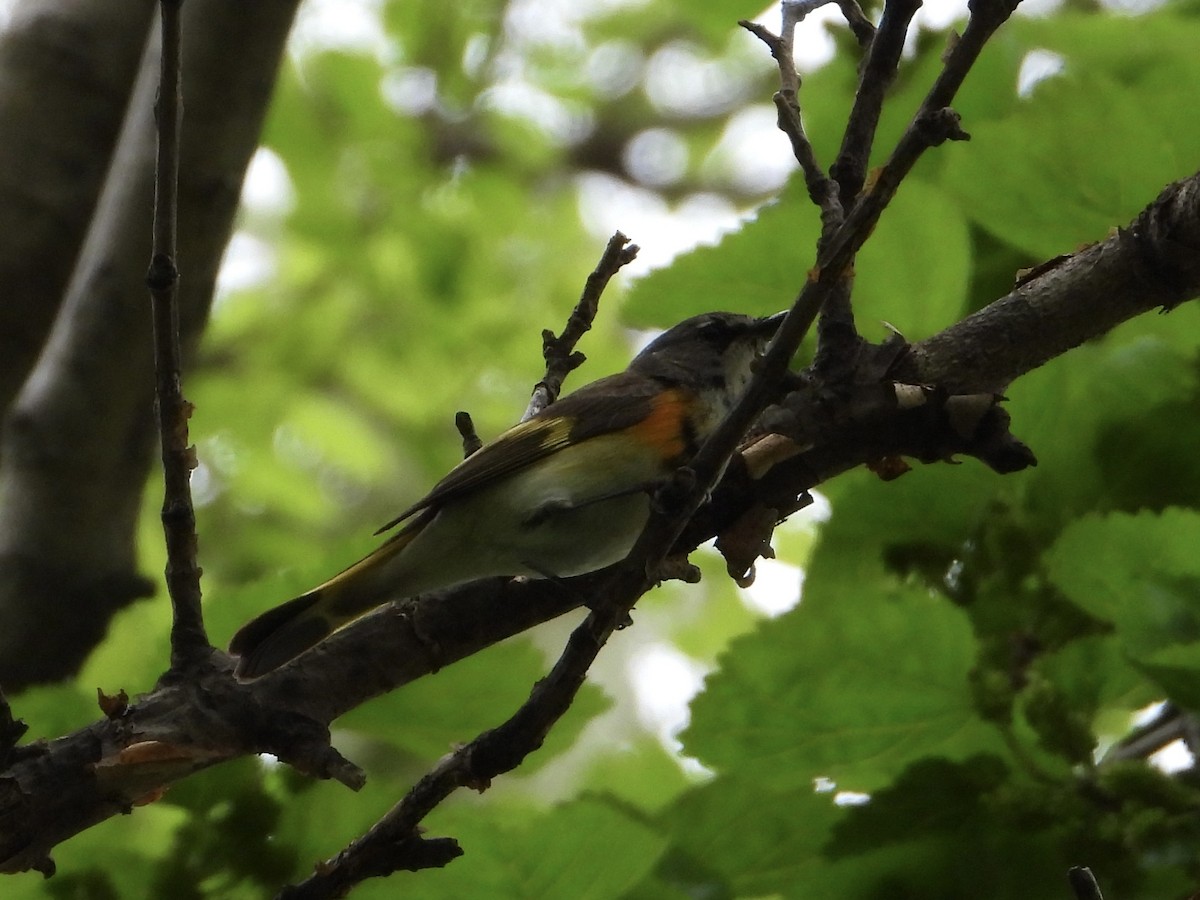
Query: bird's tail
x,y
284,632
279,634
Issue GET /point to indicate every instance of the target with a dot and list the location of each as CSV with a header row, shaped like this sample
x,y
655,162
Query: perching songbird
x,y
564,493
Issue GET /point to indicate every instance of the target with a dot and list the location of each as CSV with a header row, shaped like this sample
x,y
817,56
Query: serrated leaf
x,y
1076,177
1141,572
913,272
587,849
429,716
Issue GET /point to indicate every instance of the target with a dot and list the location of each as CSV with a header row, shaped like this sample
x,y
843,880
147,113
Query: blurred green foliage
x,y
967,645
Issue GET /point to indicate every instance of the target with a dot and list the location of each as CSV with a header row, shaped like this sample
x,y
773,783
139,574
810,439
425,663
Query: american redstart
x,y
564,493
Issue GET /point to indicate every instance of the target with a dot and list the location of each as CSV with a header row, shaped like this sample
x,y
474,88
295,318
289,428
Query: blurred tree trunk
x,y
78,436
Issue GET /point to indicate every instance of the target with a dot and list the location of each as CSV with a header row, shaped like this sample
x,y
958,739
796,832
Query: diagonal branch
x,y
878,70
559,351
405,641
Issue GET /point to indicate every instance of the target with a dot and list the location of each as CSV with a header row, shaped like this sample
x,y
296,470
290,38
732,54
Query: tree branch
x,y
1155,262
878,71
188,640
821,190
505,747
559,352
72,55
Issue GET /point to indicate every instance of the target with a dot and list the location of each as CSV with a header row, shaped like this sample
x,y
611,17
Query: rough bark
x,y
78,443
74,55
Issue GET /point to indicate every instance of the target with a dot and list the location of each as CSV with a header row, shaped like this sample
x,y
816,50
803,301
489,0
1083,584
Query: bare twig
x,y
399,645
850,168
188,639
821,190
837,336
1083,883
466,428
559,352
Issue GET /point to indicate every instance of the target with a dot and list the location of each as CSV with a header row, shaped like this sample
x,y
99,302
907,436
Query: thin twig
x,y
878,71
837,335
559,352
188,639
1083,883
821,190
470,437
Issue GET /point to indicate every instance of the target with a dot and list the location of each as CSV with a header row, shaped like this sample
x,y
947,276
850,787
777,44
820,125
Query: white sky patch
x,y
340,25
753,152
1175,757
1036,67
268,188
851,798
814,45
664,683
608,204
249,262
1147,714
411,90
614,68
776,587
656,156
562,123
682,80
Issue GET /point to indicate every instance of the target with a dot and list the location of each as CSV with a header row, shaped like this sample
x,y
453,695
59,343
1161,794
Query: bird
x,y
564,493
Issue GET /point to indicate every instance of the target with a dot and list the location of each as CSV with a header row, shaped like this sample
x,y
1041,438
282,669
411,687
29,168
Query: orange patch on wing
x,y
663,428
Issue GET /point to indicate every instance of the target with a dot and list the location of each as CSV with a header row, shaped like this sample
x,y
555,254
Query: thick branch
x,y
78,445
74,55
1155,262
401,643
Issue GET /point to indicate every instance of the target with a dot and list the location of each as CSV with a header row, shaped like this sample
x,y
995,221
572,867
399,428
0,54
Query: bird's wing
x,y
611,404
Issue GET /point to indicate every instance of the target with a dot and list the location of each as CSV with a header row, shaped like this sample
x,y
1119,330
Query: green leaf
x,y
913,272
870,672
645,775
587,849
1075,177
1141,572
853,696
755,269
738,837
430,716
